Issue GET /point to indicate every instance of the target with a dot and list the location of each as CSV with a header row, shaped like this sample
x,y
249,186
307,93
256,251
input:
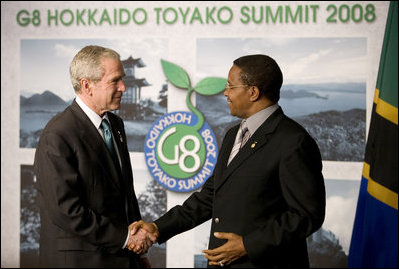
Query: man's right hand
x,y
142,236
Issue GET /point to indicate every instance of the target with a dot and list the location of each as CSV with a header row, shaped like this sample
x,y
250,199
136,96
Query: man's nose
x,y
121,86
225,92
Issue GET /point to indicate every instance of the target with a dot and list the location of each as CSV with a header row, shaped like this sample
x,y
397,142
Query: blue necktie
x,y
108,139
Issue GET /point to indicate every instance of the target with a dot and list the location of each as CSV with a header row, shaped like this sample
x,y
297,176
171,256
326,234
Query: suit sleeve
x,y
194,211
303,192
61,189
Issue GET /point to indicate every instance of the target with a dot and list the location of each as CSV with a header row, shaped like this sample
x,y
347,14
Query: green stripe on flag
x,y
387,80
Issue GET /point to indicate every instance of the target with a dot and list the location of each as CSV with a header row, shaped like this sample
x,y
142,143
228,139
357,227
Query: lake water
x,y
340,101
33,118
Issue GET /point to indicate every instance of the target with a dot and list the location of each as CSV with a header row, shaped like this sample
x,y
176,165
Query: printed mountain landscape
x,y
331,113
38,109
326,111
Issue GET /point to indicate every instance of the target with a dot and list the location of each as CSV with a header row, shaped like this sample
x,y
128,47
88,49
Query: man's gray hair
x,y
87,64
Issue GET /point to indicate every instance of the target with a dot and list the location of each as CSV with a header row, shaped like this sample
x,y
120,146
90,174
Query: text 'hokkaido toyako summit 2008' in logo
x,y
180,148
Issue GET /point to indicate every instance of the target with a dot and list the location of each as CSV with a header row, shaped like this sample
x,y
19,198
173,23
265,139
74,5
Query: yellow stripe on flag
x,y
378,191
385,109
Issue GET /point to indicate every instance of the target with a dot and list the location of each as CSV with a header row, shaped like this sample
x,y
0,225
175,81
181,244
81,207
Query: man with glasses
x,y
267,194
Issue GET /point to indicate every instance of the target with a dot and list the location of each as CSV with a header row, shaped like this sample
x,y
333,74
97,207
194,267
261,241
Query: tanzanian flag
x,y
375,232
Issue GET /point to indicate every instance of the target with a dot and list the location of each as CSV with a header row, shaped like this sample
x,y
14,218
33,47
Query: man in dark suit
x,y
265,200
87,199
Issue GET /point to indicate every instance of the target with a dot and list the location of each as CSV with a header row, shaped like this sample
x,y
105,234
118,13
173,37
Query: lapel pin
x,y
120,137
254,144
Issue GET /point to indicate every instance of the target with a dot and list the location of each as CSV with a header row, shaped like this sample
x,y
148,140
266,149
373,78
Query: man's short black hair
x,y
261,71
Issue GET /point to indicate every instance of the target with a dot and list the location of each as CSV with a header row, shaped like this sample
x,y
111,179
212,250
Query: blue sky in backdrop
x,y
45,63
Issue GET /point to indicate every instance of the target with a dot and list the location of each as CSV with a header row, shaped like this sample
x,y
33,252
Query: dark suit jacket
x,y
86,202
272,194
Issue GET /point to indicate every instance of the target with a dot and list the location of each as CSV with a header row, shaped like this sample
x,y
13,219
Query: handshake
x,y
142,235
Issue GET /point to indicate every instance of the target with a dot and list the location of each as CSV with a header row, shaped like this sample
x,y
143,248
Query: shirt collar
x,y
93,116
256,120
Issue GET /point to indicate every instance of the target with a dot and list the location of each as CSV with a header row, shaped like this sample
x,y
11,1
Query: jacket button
x,y
217,220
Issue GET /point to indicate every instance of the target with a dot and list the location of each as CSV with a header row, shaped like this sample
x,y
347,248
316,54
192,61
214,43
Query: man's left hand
x,y
232,250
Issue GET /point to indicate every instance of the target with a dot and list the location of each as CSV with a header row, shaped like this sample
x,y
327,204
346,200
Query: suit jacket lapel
x,y
89,134
258,140
120,139
118,134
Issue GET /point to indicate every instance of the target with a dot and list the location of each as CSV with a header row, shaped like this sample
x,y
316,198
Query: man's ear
x,y
85,86
254,93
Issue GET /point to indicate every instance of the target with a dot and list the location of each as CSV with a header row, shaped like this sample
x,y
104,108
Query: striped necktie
x,y
245,134
242,137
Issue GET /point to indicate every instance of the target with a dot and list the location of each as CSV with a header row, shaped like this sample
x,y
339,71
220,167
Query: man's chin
x,y
116,106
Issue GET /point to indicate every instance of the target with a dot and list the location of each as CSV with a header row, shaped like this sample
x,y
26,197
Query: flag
x,y
374,240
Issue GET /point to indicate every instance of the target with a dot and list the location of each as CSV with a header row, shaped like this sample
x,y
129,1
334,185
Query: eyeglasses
x,y
228,86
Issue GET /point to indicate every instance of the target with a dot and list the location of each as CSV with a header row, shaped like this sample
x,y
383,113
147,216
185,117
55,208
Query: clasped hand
x,y
142,236
232,250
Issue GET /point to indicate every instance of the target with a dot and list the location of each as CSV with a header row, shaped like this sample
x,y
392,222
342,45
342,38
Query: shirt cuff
x,y
127,239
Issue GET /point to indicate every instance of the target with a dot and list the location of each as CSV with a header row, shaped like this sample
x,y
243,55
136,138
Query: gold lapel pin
x,y
254,144
120,137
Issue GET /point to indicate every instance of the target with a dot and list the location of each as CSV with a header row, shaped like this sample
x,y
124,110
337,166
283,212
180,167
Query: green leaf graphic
x,y
175,74
210,86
